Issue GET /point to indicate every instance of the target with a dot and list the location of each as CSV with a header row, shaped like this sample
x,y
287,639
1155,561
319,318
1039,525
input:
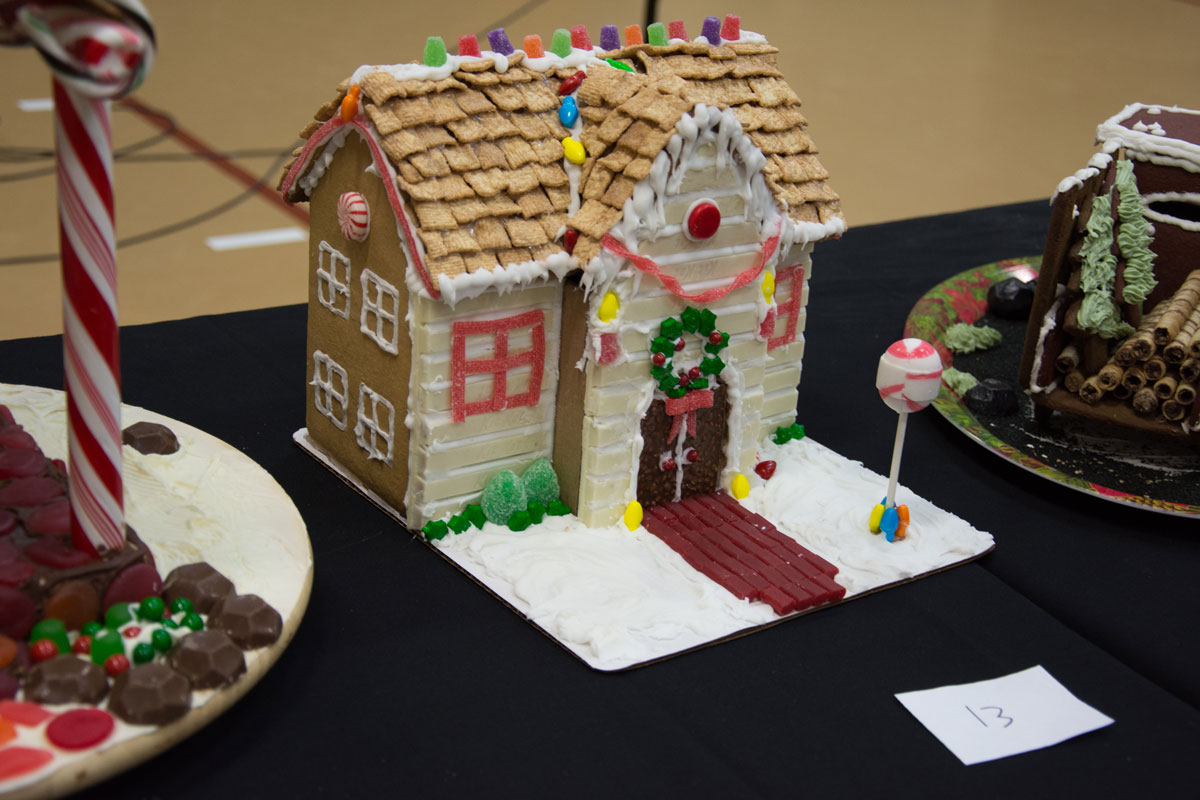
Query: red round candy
x,y
132,632
715,337
658,358
16,436
56,552
54,517
668,465
694,373
43,650
27,492
679,345
8,521
18,463
765,469
115,664
17,760
82,646
80,728
133,584
684,380
703,220
693,454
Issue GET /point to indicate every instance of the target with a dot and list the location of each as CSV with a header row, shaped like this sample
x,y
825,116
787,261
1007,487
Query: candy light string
x,y
97,51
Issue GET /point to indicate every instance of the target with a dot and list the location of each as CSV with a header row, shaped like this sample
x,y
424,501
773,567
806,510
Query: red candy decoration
x,y
15,436
80,728
610,348
132,585
8,521
732,29
28,714
57,553
18,463
16,571
572,83
668,465
580,38
115,664
43,650
693,455
17,613
51,518
659,359
468,45
715,337
27,492
765,469
16,761
132,632
694,373
6,416
704,219
679,345
675,30
82,646
569,240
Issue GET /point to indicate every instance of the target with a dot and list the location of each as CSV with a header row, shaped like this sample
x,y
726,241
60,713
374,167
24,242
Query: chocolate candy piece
x,y
1011,298
66,679
991,396
208,659
198,582
247,619
150,437
150,694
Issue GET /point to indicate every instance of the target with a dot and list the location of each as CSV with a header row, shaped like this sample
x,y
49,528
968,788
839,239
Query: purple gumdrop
x,y
609,38
498,39
711,30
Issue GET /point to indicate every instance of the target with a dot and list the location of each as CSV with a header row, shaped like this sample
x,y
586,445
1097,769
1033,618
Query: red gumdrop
x,y
15,761
80,728
765,469
570,237
26,492
15,572
133,585
57,553
16,436
8,522
18,463
17,613
6,416
51,518
24,713
704,220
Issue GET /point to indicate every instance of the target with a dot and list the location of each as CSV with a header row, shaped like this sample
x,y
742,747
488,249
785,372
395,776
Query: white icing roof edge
x,y
1148,146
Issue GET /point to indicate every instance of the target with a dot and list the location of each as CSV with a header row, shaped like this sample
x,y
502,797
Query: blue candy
x,y
890,523
568,112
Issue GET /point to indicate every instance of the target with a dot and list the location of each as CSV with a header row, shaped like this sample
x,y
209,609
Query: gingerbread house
x,y
597,255
1114,333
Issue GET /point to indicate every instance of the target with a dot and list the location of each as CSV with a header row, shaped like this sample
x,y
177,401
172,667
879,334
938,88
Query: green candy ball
x,y
161,640
151,609
143,653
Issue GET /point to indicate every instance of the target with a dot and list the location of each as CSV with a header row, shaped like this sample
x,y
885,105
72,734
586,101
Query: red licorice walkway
x,y
744,552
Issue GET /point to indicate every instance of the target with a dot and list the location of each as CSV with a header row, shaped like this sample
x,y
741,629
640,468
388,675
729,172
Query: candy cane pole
x,y
908,379
96,52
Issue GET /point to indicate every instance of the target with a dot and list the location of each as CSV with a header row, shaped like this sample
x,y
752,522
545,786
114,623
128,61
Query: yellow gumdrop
x,y
768,287
875,518
740,487
573,150
608,307
633,515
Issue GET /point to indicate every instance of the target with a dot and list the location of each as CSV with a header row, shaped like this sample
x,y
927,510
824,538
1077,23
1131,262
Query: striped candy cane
x,y
94,57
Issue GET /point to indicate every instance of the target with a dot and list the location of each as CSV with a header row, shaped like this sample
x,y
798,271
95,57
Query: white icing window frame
x,y
369,430
328,399
375,292
333,291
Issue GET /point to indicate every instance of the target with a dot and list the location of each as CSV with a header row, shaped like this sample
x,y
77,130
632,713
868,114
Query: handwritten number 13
x,y
998,715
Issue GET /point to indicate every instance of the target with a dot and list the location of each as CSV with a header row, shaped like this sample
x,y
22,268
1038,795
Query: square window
x,y
380,311
375,429
499,365
333,280
789,285
329,389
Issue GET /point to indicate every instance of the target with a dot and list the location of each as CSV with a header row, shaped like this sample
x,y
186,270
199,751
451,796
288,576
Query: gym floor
x,y
922,107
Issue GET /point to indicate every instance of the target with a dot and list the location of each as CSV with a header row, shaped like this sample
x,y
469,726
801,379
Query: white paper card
x,y
994,719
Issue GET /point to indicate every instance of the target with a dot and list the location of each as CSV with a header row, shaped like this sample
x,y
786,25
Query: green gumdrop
x,y
560,43
90,629
558,509
435,529
459,523
541,484
474,513
54,630
117,615
536,512
107,642
519,521
656,34
503,496
435,51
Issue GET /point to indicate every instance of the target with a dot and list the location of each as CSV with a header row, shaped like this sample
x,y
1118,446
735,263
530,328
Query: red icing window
x,y
789,283
499,365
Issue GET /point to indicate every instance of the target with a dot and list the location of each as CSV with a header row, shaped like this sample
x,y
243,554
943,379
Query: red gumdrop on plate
x,y
133,585
703,220
16,571
765,469
57,553
80,728
16,436
18,463
17,613
6,416
8,522
15,761
26,492
51,518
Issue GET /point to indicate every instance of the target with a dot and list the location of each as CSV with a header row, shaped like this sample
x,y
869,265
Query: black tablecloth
x,y
407,679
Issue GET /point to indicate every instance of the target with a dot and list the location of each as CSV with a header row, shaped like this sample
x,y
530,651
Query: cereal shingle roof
x,y
479,159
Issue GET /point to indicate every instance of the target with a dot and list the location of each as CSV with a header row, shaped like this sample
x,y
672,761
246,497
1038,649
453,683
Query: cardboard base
x,y
269,555
618,599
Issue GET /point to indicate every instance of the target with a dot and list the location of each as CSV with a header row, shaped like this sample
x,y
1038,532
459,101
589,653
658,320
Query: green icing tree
x,y
503,496
1134,236
541,484
1098,313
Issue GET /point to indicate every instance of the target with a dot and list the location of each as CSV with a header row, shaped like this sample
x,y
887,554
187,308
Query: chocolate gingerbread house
x,y
596,255
1114,333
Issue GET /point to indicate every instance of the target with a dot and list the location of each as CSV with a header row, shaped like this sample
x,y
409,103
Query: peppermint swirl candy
x,y
98,49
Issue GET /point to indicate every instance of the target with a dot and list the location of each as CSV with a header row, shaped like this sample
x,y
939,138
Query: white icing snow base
x,y
618,599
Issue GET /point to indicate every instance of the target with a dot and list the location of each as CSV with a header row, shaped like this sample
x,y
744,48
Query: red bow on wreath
x,y
683,410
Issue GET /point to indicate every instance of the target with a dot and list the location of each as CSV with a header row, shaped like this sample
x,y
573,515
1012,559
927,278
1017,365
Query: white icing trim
x,y
1097,164
467,285
368,430
373,305
1147,145
329,286
1177,197
1043,332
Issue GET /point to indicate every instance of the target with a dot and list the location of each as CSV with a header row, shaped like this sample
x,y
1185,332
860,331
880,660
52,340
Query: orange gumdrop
x,y
902,512
533,46
350,104
7,731
633,35
8,650
76,603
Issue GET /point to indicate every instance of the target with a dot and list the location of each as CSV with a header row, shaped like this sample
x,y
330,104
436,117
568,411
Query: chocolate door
x,y
657,485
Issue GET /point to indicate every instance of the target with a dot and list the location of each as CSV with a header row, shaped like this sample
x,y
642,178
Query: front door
x,y
666,473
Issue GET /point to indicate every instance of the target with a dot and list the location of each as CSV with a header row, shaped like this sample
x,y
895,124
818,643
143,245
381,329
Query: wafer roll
x,y
1110,376
1144,401
1165,386
1091,392
1180,308
1173,410
1141,344
1189,370
1185,393
1134,378
1155,368
1073,381
1179,347
1121,392
1068,359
